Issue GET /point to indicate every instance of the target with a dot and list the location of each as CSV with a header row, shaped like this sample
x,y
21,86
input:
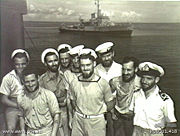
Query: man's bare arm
x,y
55,124
22,125
6,101
110,105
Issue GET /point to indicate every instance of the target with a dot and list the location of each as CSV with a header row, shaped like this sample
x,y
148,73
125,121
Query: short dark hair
x,y
20,55
130,58
49,54
30,70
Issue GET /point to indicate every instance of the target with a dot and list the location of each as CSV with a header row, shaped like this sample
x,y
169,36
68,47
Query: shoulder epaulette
x,y
164,96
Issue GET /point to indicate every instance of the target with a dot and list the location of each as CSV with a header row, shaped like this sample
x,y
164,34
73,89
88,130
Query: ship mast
x,y
98,12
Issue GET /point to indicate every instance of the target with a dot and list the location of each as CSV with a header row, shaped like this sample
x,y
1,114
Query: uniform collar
x,y
13,73
64,69
152,92
112,65
93,78
52,76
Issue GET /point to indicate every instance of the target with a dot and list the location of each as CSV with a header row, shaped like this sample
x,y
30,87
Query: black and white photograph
x,y
89,68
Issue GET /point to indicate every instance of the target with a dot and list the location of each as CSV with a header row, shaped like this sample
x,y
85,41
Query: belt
x,y
122,116
89,116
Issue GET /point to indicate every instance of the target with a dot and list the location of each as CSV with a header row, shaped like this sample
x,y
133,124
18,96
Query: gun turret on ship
x,y
98,24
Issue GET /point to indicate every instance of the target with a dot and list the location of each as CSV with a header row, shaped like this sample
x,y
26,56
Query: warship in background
x,y
99,24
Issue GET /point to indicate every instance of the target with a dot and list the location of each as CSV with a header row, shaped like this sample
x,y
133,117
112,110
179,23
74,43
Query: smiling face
x,y
107,59
87,67
52,63
148,82
128,71
31,82
20,64
64,59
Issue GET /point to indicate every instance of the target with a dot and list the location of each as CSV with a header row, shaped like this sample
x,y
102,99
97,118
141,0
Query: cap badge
x,y
145,68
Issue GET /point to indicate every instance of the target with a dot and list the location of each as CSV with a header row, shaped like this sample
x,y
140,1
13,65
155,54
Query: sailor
x,y
73,73
91,97
125,86
153,109
107,69
75,67
11,86
40,107
54,81
64,57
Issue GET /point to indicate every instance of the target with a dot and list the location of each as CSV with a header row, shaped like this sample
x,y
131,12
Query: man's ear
x,y
113,53
136,69
94,63
157,80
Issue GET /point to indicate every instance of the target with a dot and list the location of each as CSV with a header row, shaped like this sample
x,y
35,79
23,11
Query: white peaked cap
x,y
20,51
76,50
102,48
47,51
62,46
149,66
88,51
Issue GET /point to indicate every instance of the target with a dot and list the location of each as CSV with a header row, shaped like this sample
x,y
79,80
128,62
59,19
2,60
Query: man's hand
x,y
114,117
70,123
20,112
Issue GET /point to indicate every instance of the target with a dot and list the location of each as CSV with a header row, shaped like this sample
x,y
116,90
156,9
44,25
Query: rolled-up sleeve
x,y
5,86
106,90
169,111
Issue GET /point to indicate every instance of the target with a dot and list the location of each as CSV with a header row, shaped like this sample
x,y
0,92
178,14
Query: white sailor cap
x,y
19,51
88,51
47,51
76,50
63,46
105,47
149,68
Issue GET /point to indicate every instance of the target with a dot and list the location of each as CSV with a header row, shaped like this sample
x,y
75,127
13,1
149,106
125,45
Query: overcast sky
x,y
117,10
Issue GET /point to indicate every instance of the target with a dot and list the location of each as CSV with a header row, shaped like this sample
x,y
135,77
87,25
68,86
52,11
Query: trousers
x,y
88,127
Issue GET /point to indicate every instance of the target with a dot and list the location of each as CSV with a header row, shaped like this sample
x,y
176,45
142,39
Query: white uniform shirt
x,y
11,85
152,112
114,71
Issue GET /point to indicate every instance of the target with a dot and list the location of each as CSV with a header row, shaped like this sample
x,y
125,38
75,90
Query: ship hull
x,y
109,32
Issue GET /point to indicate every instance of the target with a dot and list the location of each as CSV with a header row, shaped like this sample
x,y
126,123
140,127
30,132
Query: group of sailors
x,y
80,96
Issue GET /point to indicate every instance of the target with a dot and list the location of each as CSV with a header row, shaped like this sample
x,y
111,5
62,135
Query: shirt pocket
x,y
41,108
